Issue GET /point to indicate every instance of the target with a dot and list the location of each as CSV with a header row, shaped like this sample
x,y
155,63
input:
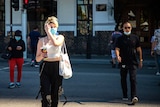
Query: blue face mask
x,y
17,38
54,31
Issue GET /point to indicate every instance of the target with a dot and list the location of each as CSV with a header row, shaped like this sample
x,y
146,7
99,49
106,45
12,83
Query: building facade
x,y
86,24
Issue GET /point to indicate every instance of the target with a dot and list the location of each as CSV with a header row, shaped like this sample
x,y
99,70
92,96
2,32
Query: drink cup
x,y
44,50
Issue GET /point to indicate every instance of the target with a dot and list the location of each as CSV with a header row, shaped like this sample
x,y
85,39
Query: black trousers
x,y
132,74
50,81
34,50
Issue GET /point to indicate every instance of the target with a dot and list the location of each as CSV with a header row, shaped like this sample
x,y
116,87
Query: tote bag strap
x,y
64,48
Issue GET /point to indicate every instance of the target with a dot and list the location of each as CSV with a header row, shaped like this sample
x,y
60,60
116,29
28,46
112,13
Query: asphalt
x,y
76,59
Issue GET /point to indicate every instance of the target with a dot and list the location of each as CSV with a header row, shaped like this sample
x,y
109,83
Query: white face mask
x,y
127,33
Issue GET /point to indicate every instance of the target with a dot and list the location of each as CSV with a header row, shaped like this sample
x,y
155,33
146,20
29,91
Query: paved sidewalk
x,y
36,103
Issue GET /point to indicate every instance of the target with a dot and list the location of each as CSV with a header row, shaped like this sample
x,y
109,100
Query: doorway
x,y
139,17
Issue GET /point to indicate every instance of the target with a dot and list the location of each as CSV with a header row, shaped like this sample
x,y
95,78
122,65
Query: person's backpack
x,y
157,39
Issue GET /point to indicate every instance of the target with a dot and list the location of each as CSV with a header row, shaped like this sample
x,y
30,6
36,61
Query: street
x,y
94,84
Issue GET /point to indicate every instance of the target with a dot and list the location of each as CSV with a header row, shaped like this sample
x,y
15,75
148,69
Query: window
x,y
84,17
38,11
41,9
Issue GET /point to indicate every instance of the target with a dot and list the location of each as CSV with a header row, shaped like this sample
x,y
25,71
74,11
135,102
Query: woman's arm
x,y
39,55
56,40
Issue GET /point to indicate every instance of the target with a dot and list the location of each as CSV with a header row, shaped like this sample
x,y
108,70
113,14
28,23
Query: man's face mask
x,y
53,31
127,33
17,38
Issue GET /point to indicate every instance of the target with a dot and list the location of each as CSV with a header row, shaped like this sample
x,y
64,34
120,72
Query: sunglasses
x,y
127,27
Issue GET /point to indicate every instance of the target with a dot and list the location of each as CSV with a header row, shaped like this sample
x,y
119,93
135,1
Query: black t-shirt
x,y
127,46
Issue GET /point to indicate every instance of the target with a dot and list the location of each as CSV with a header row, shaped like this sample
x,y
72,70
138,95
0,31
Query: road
x,y
94,84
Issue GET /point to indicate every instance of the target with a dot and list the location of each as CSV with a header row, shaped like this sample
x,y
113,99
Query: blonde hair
x,y
52,19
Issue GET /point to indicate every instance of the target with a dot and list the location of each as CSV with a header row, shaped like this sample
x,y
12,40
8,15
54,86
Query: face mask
x,y
53,31
127,33
17,38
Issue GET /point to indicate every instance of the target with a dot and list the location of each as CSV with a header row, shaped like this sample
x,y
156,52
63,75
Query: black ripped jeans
x,y
132,74
50,81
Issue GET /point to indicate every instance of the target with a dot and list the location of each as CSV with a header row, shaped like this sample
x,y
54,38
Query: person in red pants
x,y
16,47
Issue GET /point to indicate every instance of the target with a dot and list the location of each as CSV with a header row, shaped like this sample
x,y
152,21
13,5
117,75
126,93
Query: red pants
x,y
12,63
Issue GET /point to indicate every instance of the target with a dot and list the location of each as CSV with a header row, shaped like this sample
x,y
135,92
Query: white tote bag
x,y
65,68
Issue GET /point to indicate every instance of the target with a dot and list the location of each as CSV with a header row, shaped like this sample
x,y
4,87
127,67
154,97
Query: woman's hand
x,y
47,27
9,48
19,48
44,55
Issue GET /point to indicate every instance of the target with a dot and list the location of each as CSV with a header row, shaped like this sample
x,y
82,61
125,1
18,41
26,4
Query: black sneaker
x,y
134,100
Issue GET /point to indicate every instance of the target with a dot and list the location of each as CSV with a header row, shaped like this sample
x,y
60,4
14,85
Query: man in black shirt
x,y
127,47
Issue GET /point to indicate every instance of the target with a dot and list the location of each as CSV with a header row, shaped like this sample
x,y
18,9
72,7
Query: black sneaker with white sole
x,y
134,100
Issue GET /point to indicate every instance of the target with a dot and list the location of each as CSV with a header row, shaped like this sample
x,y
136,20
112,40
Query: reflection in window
x,y
82,27
132,18
84,17
38,12
40,9
144,20
82,12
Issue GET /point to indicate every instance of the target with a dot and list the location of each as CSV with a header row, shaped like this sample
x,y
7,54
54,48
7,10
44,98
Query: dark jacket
x,y
16,53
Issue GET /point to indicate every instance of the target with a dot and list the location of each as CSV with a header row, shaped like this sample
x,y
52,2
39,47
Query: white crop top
x,y
52,51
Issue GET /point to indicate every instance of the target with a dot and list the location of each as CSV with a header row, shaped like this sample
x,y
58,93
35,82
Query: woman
x,y
48,51
16,47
